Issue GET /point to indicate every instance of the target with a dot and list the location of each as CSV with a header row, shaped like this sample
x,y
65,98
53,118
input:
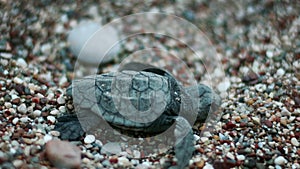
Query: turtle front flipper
x,y
207,100
184,147
69,128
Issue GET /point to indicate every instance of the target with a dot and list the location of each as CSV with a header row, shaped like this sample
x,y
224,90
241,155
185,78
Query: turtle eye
x,y
177,97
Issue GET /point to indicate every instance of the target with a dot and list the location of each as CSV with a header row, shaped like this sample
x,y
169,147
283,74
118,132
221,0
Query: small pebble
x,y
51,119
18,80
89,139
280,160
62,109
17,163
61,100
241,157
54,133
295,142
269,53
36,113
15,120
196,137
226,116
230,155
22,108
260,87
8,105
22,63
280,72
208,166
54,112
256,120
123,161
46,48
24,119
47,138
204,139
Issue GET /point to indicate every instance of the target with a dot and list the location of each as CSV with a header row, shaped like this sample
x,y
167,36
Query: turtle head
x,y
206,99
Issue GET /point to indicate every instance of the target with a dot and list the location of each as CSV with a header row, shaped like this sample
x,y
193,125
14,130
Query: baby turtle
x,y
140,101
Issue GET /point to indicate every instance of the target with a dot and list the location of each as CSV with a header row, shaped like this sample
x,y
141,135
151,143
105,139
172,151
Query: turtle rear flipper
x,y
69,128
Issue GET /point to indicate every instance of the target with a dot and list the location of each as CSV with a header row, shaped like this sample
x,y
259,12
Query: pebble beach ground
x,y
259,46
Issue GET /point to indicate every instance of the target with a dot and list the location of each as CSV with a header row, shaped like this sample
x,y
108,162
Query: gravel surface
x,y
259,46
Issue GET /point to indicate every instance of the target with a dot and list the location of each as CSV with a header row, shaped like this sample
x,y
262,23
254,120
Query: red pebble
x,y
35,100
268,123
229,125
113,160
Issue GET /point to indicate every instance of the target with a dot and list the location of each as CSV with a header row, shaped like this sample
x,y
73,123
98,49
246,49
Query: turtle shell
x,y
139,103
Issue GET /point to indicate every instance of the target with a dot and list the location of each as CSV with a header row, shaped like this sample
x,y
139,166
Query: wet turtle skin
x,y
138,103
106,96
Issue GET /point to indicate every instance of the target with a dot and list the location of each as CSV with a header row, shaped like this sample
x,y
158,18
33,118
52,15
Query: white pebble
x,y
89,139
18,80
39,95
6,55
269,53
61,100
50,96
226,116
196,137
295,142
208,166
59,28
280,72
21,62
15,120
30,109
295,165
280,160
22,108
62,109
17,163
54,112
54,133
24,119
47,138
14,96
204,139
12,110
4,62
63,80
37,113
46,48
230,155
51,119
46,76
256,120
260,87
8,105
5,72
241,157
123,161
